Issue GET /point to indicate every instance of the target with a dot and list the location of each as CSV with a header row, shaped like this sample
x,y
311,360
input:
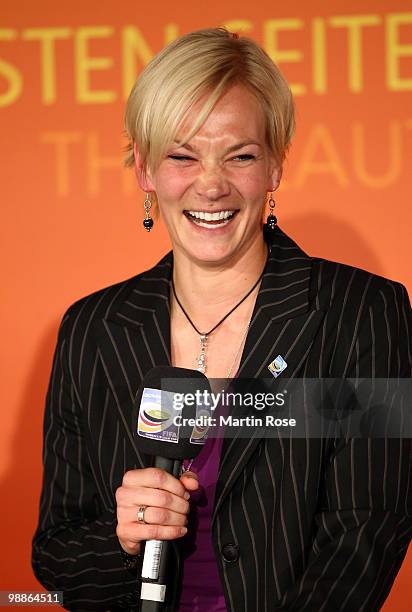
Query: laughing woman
x,y
282,524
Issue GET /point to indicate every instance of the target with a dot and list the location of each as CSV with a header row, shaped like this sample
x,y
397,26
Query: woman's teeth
x,y
214,216
211,220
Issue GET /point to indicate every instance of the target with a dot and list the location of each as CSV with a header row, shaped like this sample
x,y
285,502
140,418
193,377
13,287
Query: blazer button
x,y
230,552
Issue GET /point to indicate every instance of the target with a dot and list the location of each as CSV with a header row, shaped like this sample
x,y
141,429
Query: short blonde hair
x,y
203,63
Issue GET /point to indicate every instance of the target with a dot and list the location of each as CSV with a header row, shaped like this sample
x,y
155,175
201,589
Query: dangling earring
x,y
271,221
148,221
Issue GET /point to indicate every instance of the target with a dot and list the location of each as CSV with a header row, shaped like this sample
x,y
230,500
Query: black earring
x,y
148,221
271,221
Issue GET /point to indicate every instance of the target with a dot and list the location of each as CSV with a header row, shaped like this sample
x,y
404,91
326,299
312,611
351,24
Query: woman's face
x,y
212,190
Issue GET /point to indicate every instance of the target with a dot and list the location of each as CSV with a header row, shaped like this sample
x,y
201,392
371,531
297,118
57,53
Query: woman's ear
x,y
142,174
276,178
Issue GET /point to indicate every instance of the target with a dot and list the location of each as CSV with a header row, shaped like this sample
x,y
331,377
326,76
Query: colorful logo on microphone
x,y
156,416
153,419
199,432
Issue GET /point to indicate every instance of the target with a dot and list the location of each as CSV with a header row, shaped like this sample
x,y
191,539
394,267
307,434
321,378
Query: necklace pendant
x,y
201,360
203,341
201,363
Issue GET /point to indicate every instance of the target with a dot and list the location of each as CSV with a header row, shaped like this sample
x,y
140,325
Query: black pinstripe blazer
x,y
315,525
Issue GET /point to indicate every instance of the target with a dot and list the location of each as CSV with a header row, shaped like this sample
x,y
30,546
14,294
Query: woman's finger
x,y
134,533
152,516
145,496
190,481
154,478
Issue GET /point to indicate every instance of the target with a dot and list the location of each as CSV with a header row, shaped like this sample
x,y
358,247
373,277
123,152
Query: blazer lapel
x,y
133,338
283,323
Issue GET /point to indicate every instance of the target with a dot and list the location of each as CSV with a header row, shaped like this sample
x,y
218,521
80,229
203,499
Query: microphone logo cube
x,y
157,416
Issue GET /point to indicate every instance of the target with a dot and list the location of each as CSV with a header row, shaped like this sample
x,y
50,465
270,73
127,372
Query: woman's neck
x,y
207,291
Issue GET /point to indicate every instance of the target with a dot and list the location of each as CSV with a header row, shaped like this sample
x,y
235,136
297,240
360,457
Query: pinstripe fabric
x,y
321,524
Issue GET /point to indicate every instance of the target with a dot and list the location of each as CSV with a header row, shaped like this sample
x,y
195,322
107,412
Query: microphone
x,y
171,412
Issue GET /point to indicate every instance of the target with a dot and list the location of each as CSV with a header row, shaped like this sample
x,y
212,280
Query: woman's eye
x,y
245,157
180,157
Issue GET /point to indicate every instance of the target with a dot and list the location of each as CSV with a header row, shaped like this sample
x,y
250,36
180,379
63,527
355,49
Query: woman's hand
x,y
166,506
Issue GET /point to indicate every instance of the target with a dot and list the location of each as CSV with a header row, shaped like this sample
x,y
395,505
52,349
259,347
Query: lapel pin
x,y
277,366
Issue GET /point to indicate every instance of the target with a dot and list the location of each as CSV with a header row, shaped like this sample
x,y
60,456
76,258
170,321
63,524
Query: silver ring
x,y
140,514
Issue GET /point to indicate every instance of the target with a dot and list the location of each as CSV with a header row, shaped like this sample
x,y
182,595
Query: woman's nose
x,y
211,183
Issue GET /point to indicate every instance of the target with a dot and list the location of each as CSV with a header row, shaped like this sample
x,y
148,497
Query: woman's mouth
x,y
210,220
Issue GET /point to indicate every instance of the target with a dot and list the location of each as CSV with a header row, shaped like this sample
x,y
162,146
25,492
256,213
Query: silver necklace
x,y
188,467
238,351
204,336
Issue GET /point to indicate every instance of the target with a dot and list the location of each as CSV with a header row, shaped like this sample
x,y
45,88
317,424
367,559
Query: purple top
x,y
202,590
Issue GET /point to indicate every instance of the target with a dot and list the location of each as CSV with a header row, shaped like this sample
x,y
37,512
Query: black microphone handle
x,y
174,467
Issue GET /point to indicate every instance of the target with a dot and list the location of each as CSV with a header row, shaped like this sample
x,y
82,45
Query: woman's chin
x,y
209,257
213,255
214,247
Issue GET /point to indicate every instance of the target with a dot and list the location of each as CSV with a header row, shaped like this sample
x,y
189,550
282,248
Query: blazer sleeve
x,y
364,523
75,547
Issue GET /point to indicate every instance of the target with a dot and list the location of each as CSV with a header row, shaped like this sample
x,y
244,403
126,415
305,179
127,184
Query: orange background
x,y
72,217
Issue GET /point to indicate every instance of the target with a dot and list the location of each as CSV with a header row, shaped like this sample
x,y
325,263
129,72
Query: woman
x,y
285,524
